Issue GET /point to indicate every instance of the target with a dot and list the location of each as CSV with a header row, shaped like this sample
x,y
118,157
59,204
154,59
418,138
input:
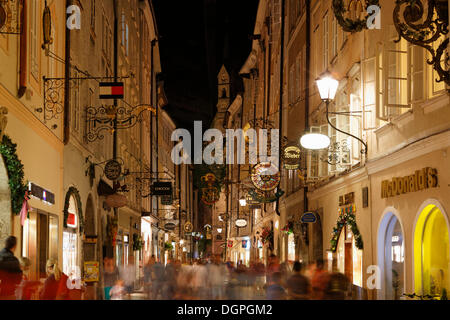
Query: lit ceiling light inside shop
x,y
243,202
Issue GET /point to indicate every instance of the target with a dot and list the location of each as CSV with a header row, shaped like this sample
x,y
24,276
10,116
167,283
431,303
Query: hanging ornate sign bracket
x,y
11,16
54,89
424,27
111,118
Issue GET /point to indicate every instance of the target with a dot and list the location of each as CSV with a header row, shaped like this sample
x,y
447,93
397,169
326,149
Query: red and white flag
x,y
111,90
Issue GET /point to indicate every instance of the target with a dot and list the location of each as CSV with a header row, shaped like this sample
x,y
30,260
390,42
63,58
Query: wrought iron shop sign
x,y
309,217
113,170
292,157
167,200
162,189
10,16
425,23
421,180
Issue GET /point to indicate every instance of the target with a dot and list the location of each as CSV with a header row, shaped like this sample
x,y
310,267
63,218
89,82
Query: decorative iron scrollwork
x,y
350,18
54,97
338,153
111,118
424,26
10,16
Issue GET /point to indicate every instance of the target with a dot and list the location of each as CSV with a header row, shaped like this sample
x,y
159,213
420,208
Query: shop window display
x,y
431,253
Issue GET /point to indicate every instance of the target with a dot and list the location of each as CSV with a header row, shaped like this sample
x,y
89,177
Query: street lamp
x,y
327,86
327,89
243,202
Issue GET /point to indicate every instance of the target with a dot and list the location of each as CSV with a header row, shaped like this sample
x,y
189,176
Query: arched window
x,y
431,251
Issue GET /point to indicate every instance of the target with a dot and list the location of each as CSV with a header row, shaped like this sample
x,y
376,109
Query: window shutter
x,y
323,166
355,127
417,73
397,76
369,94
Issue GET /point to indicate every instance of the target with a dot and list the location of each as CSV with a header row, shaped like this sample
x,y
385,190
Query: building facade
x,y
382,210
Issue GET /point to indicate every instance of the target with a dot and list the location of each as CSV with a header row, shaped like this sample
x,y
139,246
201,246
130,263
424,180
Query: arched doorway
x,y
391,256
5,203
431,250
73,224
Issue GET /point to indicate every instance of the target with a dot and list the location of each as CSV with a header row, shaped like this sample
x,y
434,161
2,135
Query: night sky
x,y
196,38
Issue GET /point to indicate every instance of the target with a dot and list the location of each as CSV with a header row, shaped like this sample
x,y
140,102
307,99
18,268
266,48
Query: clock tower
x,y
223,95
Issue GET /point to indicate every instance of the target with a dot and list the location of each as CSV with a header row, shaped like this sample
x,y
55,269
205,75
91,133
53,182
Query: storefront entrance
x,y
391,257
349,257
431,251
71,241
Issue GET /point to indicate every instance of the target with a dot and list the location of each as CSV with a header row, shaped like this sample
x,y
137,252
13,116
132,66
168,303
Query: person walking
x,y
110,276
51,284
319,280
275,290
298,285
148,269
10,271
128,275
26,288
157,280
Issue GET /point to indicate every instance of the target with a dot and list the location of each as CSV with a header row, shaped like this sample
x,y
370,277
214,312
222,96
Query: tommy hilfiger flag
x,y
111,90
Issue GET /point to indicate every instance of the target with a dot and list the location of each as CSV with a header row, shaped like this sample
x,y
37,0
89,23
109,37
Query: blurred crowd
x,y
211,279
204,279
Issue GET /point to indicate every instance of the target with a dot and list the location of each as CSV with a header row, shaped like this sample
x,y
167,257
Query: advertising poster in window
x,y
91,271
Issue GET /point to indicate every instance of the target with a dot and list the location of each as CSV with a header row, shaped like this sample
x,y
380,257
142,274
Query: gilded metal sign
x,y
420,180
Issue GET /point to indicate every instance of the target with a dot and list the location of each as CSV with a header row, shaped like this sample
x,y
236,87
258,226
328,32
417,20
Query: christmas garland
x,y
289,228
168,246
348,218
73,192
266,235
137,242
347,24
14,167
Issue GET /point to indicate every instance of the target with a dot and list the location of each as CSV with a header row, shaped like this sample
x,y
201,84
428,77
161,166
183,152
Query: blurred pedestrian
x,y
199,280
110,276
274,290
298,285
118,291
148,269
337,288
157,279
26,288
216,278
10,271
128,275
170,276
319,280
51,284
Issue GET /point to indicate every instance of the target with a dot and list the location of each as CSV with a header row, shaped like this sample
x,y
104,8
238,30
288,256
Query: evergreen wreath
x,y
348,219
14,167
347,24
137,242
73,192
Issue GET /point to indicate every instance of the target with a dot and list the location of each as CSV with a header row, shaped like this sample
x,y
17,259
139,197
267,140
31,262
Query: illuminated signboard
x,y
41,194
